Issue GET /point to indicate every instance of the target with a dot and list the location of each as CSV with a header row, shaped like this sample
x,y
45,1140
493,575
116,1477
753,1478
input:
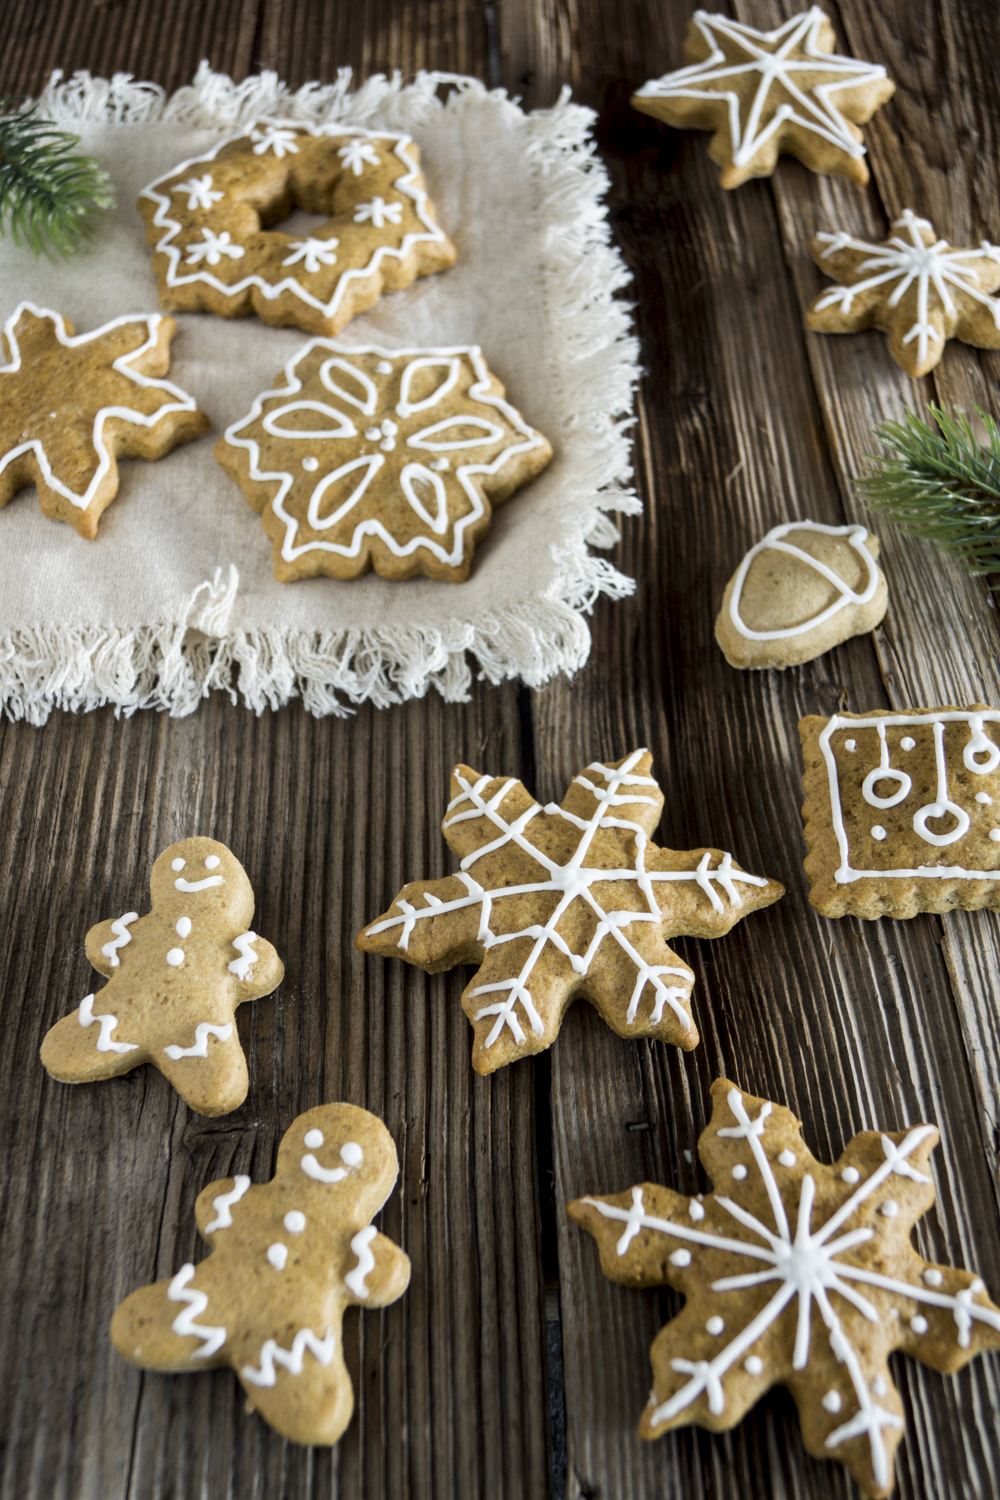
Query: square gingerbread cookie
x,y
902,811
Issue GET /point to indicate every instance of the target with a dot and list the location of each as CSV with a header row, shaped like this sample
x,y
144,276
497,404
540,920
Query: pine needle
x,y
943,485
48,190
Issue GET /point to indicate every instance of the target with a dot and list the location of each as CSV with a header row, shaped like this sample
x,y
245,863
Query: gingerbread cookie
x,y
209,222
914,287
288,1256
72,404
380,458
558,902
176,977
770,93
902,811
799,592
796,1274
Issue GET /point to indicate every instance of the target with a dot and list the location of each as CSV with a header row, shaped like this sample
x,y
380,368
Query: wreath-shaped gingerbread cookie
x,y
209,221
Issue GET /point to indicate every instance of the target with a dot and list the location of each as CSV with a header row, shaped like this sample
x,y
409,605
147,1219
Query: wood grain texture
x,y
745,420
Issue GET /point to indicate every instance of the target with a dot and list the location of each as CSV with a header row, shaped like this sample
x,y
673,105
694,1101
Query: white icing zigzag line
x,y
224,1202
121,938
272,1354
816,111
909,261
571,881
479,391
184,402
773,541
806,1267
107,1023
271,290
355,1280
184,1323
202,1032
241,966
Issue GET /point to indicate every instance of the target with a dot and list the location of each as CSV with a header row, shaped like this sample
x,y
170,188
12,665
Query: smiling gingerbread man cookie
x,y
176,977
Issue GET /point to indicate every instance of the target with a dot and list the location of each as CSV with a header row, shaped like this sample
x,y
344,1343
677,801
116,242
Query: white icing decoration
x,y
933,1278
908,742
248,957
995,835
272,1354
807,1265
884,772
423,438
351,1153
356,154
919,1324
122,937
277,1254
880,1385
212,862
851,745
832,1401
984,799
933,267
878,832
198,885
184,1324
175,957
202,1032
680,1258
378,213
695,1209
313,253
313,1139
440,464
200,192
569,882
753,1365
107,1024
182,401
714,1326
294,1221
310,464
768,54
405,407
383,367
978,744
850,1174
360,1246
312,1168
774,542
177,864
183,927
890,1208
739,1171
224,1203
787,1158
212,249
273,138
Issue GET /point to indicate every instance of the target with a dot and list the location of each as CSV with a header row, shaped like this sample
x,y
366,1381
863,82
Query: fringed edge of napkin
x,y
172,666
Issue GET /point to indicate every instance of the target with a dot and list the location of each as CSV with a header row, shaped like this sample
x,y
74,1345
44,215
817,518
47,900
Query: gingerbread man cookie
x,y
768,93
209,222
558,902
288,1256
175,977
380,458
72,404
794,1273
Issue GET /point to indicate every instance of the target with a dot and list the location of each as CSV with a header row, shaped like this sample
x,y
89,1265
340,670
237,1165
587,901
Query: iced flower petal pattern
x,y
274,138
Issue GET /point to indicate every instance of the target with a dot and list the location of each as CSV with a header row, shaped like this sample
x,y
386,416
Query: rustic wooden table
x,y
512,1367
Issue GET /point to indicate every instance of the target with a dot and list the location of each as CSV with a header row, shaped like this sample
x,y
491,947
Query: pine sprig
x,y
941,484
48,190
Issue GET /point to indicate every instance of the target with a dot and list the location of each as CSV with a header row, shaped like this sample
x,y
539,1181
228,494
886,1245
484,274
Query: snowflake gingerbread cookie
x,y
175,978
215,248
72,404
902,811
288,1257
770,93
558,902
915,287
794,1273
380,458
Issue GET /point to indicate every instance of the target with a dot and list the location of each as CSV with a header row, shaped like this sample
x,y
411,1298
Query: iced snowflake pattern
x,y
848,1406
274,138
356,154
200,192
313,253
378,213
213,248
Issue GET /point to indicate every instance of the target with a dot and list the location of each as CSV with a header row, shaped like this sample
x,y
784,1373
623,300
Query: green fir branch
x,y
48,190
941,484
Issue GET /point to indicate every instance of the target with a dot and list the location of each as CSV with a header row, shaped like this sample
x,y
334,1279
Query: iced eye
x,y
351,1154
314,1139
177,864
212,862
295,1221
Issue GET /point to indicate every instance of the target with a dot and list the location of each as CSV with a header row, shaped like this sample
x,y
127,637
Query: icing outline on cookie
x,y
773,541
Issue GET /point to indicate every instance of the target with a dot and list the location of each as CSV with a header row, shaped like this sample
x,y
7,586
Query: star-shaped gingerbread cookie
x,y
558,902
288,1256
72,404
378,458
913,286
794,1273
770,93
175,978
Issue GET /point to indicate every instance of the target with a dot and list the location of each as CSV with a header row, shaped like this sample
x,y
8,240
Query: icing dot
x,y
984,798
879,1386
753,1365
212,862
933,1278
387,444
310,463
977,1286
383,367
894,1313
907,742
295,1221
850,1174
878,832
850,745
995,835
918,1324
714,1326
177,864
681,1258
739,1171
695,1210
277,1254
351,1154
440,464
175,957
313,1138
787,1158
183,926
832,1401
890,1208
373,434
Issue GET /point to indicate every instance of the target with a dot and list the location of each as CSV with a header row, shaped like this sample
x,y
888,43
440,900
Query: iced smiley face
x,y
365,458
